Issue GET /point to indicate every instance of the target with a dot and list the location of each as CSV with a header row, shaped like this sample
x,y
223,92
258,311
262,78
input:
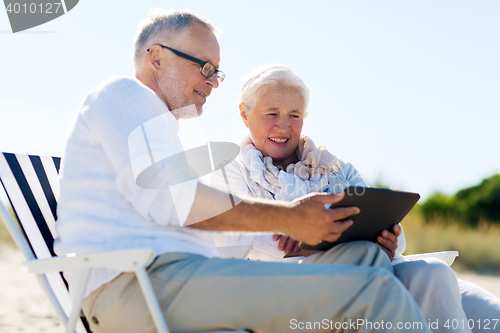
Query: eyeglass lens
x,y
208,70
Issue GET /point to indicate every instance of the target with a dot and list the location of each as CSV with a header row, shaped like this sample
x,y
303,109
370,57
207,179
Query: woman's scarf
x,y
308,175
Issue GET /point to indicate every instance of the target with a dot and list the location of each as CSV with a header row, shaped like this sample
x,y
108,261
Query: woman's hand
x,y
388,241
286,243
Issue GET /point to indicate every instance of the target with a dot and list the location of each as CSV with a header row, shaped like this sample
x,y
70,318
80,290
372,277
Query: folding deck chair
x,y
31,184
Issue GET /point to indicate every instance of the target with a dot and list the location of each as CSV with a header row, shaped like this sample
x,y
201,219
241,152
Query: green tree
x,y
468,206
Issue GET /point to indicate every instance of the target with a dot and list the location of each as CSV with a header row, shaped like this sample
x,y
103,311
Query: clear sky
x,y
408,91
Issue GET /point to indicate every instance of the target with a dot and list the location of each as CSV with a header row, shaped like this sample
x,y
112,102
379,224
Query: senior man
x,y
101,208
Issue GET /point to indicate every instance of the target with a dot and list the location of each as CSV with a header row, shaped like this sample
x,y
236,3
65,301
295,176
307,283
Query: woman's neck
x,y
283,164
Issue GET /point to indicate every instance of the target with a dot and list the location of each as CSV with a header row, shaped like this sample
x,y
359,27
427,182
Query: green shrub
x,y
467,206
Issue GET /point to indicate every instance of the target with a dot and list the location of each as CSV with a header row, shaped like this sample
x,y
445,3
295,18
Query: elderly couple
x,y
101,209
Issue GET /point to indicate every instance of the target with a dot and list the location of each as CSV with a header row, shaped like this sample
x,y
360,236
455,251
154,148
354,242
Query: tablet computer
x,y
379,208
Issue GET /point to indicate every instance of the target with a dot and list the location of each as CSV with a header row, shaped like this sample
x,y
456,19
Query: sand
x,y
25,308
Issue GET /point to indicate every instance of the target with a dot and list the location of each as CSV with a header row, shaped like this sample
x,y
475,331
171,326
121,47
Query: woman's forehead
x,y
277,95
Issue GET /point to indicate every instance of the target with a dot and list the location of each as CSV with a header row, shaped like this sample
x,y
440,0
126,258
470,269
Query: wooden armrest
x,y
123,261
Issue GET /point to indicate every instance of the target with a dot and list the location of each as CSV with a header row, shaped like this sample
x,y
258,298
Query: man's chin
x,y
199,109
189,111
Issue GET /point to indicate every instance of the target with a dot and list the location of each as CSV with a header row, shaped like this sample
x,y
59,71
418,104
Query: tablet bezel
x,y
379,208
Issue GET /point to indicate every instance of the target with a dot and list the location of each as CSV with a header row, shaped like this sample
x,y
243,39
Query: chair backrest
x,y
32,187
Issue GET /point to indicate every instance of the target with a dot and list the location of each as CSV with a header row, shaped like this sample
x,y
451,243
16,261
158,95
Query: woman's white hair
x,y
161,21
262,77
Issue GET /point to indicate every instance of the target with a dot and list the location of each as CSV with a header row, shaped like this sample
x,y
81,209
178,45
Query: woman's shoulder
x,y
348,172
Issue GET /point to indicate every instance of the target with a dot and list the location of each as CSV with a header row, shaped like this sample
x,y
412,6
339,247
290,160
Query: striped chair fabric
x,y
32,187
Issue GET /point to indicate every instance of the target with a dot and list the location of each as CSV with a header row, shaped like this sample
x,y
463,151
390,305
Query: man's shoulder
x,y
120,93
119,84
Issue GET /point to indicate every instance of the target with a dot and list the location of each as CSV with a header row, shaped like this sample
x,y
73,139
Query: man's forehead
x,y
198,41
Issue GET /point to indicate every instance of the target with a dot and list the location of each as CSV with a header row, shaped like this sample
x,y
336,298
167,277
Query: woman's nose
x,y
283,124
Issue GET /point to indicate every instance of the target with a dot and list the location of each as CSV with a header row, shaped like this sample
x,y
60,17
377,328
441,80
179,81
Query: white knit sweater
x,y
100,207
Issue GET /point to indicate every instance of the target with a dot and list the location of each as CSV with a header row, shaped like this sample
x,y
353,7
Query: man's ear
x,y
155,56
243,114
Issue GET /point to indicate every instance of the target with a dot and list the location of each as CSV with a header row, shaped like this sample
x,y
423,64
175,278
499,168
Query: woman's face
x,y
275,123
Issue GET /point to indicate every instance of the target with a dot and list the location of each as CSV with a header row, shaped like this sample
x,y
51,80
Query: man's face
x,y
181,82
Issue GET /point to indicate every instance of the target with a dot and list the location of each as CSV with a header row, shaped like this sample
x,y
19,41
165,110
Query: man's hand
x,y
388,241
311,223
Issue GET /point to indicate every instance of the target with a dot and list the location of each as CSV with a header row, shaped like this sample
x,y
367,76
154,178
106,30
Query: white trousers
x,y
196,293
435,288
432,284
481,307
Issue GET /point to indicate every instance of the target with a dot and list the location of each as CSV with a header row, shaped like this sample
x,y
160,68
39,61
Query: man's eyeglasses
x,y
207,69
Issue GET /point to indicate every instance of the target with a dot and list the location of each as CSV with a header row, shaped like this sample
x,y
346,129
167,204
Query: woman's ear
x,y
244,114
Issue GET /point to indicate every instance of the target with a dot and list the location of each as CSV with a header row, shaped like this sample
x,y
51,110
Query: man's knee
x,y
368,254
365,247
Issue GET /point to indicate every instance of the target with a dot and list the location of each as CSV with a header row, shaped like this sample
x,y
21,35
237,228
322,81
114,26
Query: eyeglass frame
x,y
198,61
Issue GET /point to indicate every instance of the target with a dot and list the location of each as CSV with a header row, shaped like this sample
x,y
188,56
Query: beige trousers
x,y
197,294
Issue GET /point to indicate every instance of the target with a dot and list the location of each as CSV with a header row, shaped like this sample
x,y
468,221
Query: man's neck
x,y
150,82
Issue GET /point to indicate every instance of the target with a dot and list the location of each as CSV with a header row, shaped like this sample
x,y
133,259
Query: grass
x,y
478,247
5,238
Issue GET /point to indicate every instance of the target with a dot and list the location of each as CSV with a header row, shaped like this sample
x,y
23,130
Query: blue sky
x,y
407,91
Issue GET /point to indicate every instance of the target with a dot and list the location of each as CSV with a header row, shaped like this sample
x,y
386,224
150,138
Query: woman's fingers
x,y
389,236
290,245
390,254
388,246
283,241
396,229
297,247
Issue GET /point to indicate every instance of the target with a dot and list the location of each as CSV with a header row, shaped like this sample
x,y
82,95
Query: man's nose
x,y
213,81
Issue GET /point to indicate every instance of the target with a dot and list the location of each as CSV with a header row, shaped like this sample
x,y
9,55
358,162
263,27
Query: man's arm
x,y
305,219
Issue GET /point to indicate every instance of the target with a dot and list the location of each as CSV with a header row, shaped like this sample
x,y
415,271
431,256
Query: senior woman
x,y
277,162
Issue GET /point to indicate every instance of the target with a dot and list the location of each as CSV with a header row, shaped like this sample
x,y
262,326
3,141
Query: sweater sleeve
x,y
112,113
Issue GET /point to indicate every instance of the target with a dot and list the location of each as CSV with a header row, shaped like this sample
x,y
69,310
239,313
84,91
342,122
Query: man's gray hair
x,y
161,21
262,77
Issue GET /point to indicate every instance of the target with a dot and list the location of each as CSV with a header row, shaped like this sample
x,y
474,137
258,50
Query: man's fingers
x,y
339,227
276,237
329,198
335,230
342,213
